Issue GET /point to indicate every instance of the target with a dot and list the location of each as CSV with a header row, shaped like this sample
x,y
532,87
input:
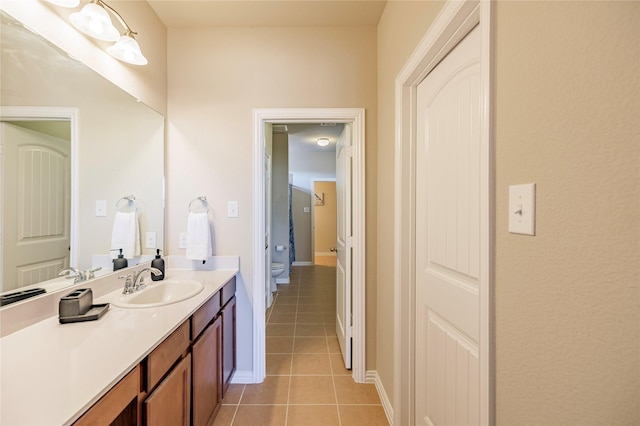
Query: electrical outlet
x,y
101,208
232,209
150,240
182,240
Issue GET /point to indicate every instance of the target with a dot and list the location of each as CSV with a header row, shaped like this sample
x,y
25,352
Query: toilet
x,y
276,270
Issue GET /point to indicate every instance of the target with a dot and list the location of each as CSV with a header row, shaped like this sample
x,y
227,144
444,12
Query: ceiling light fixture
x,y
323,141
94,20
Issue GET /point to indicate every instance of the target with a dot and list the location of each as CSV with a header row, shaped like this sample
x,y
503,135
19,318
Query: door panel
x,y
448,239
343,257
36,206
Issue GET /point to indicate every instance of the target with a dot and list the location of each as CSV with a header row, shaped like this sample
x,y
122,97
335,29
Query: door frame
x,y
453,23
356,117
37,113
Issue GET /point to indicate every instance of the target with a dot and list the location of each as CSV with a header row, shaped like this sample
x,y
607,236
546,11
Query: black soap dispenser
x,y
120,262
158,263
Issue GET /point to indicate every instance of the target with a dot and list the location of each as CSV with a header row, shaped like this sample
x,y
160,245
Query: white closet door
x,y
448,240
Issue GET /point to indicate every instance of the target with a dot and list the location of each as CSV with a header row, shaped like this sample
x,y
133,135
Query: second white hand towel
x,y
126,235
198,237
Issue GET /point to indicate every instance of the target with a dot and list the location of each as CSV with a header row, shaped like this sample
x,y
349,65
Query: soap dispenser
x,y
120,262
158,263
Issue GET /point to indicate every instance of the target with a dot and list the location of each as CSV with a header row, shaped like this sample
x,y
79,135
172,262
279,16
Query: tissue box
x,y
76,303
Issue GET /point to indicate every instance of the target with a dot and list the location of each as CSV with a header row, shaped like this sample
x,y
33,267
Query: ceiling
x,y
268,13
303,137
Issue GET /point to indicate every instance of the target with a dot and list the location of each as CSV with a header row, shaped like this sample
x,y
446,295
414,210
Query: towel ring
x,y
130,204
203,203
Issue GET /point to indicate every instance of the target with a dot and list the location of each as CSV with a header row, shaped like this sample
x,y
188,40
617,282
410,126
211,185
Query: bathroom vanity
x,y
169,364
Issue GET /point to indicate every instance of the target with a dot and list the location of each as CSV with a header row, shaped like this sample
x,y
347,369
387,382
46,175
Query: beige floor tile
x,y
233,394
310,345
284,309
313,415
279,345
262,415
337,365
286,300
314,364
315,318
350,392
310,330
278,364
309,309
280,329
311,390
307,300
276,318
225,415
274,390
369,415
334,346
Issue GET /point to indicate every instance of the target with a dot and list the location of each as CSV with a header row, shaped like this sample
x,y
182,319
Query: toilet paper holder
x,y
281,248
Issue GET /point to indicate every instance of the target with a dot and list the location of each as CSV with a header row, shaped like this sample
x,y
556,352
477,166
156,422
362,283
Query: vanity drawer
x,y
204,315
114,405
165,356
228,291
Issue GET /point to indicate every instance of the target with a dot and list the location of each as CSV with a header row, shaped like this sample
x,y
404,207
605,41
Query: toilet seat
x,y
276,265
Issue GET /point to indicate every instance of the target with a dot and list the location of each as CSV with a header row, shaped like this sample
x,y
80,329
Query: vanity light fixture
x,y
94,20
323,141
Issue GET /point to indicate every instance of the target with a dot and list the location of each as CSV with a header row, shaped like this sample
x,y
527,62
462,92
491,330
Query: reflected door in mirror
x,y
36,187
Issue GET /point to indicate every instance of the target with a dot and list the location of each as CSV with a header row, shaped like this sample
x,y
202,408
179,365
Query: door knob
x,y
333,249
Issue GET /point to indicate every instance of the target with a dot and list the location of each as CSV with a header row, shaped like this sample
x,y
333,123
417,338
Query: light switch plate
x,y
307,210
101,208
232,209
522,209
150,240
182,240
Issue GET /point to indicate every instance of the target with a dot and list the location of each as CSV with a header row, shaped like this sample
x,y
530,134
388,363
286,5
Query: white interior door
x,y
344,246
36,206
448,240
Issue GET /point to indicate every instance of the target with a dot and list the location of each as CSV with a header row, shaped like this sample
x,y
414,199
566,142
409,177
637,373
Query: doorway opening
x,y
263,120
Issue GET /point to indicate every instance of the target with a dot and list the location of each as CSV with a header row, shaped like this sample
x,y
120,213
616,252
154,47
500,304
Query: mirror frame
x,y
38,113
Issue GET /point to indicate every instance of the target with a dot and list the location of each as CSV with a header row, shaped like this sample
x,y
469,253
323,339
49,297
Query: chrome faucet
x,y
138,279
128,284
77,274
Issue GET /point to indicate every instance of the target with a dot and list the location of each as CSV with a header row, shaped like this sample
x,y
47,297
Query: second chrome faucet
x,y
135,282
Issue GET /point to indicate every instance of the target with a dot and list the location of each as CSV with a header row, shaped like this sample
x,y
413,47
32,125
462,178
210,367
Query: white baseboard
x,y
242,377
303,263
372,377
282,280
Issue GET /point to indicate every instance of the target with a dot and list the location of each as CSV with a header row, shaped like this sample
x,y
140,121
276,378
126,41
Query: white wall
x,y
216,77
309,165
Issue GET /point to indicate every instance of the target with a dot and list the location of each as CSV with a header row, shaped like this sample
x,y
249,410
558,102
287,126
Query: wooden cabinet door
x,y
170,402
207,374
228,343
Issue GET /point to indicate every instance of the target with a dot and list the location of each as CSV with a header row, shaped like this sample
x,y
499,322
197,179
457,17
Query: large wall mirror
x,y
75,148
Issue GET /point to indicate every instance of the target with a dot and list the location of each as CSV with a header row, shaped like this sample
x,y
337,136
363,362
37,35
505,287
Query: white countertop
x,y
51,373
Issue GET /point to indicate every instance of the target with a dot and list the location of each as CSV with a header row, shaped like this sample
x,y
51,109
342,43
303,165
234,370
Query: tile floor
x,y
306,381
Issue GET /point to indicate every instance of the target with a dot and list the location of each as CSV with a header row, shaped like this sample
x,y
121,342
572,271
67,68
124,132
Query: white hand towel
x,y
125,235
198,237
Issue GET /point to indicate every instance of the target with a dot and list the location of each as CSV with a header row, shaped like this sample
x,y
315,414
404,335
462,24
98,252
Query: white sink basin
x,y
160,294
